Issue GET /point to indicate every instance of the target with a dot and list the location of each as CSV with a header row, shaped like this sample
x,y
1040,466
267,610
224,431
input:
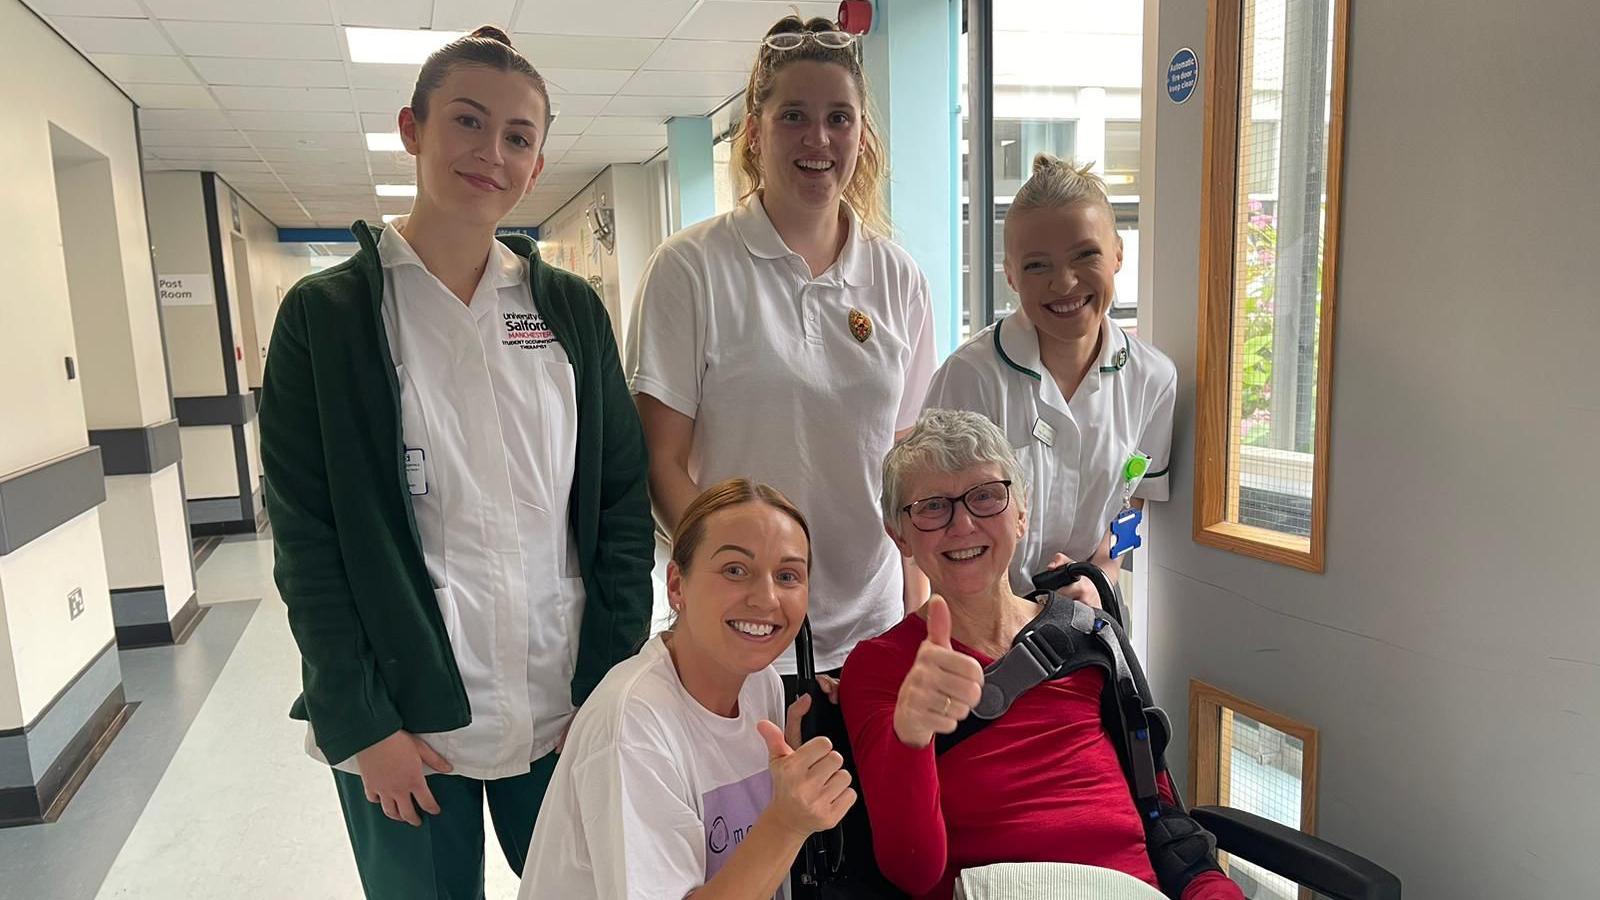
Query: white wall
x,y
178,225
44,83
1448,652
569,244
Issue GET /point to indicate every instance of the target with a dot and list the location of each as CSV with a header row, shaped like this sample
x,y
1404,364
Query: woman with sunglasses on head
x,y
1042,782
456,482
791,339
677,780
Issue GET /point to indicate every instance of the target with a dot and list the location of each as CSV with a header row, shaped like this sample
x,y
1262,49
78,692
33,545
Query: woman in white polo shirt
x,y
790,340
1077,397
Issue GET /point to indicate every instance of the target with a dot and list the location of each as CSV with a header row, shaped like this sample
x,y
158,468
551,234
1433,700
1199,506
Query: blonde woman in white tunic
x,y
1076,396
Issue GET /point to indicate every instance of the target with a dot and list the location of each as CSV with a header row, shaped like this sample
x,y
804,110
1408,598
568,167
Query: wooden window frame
x,y
1209,706
1216,452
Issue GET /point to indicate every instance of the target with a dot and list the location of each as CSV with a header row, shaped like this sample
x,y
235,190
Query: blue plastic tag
x,y
1125,528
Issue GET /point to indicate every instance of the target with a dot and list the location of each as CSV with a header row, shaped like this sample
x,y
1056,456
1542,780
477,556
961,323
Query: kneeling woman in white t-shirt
x,y
674,781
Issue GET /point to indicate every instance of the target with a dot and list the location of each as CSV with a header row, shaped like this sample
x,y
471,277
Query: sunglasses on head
x,y
792,40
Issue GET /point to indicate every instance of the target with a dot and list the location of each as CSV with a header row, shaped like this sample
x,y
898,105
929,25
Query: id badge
x,y
1125,530
416,471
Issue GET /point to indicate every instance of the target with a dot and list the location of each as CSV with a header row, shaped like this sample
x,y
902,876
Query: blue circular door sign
x,y
1182,73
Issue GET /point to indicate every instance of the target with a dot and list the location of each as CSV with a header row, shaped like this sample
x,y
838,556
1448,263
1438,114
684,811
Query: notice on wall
x,y
186,290
1182,73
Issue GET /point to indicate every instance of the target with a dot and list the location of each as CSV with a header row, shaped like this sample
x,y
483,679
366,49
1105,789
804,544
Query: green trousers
x,y
443,858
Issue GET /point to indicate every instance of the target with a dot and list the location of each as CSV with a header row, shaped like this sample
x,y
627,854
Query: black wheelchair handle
x,y
1055,579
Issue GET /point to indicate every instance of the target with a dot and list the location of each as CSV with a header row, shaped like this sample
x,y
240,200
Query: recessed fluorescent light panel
x,y
395,45
385,141
397,190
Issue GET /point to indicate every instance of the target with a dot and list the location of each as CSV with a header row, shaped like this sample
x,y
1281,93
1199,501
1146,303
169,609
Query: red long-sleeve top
x,y
1039,784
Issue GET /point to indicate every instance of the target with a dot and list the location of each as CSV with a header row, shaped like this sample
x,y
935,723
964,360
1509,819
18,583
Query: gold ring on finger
x,y
946,710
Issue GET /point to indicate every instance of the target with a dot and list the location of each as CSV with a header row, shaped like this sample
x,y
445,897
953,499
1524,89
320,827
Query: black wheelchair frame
x,y
839,865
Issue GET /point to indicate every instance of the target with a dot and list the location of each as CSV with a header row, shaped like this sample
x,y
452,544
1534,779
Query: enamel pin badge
x,y
860,325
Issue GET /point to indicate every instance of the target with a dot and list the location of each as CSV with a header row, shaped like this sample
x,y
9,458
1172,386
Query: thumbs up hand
x,y
810,788
942,686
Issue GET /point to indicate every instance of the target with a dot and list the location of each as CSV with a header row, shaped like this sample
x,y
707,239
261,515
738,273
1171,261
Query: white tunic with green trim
x,y
1072,451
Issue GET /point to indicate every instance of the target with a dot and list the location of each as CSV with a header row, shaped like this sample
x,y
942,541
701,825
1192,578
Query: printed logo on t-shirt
x,y
729,812
525,330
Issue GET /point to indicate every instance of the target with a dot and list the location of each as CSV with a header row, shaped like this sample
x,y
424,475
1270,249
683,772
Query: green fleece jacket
x,y
374,654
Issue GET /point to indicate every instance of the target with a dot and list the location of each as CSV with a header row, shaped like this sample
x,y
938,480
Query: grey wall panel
x,y
138,451
36,501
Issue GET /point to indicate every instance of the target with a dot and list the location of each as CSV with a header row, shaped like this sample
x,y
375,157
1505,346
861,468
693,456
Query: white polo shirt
x,y
489,417
1072,451
797,381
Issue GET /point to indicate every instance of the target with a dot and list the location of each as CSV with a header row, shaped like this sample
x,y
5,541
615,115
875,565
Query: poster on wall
x,y
186,290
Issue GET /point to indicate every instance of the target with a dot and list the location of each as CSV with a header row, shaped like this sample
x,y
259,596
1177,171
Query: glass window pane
x,y
1066,82
722,175
1285,87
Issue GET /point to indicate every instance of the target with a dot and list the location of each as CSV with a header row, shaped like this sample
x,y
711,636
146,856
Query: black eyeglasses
x,y
933,513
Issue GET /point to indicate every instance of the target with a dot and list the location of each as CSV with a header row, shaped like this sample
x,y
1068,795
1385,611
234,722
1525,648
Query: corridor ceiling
x,y
264,92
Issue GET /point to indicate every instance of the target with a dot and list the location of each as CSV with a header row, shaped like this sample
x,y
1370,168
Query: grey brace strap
x,y
1037,655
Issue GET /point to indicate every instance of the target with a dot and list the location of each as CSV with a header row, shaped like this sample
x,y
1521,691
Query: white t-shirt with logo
x,y
653,792
797,381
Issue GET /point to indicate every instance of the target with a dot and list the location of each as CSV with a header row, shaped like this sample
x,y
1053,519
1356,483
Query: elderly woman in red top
x,y
1042,783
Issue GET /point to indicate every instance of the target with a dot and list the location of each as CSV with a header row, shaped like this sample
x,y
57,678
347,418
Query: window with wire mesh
x,y
1279,214
1251,759
1273,214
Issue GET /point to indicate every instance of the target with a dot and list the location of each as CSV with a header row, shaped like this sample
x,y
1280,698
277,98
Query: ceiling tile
x,y
602,157
579,104
93,35
585,81
284,99
558,143
465,15
383,76
620,142
384,13
311,12
739,20
382,102
315,140
570,124
245,168
260,120
685,84
185,119
622,18
218,154
310,155
170,96
256,41
122,9
559,51
663,106
321,175
252,176
704,56
652,125
380,121
270,72
153,137
127,69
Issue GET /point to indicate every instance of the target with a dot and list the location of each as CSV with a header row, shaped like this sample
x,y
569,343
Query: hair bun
x,y
492,33
1046,162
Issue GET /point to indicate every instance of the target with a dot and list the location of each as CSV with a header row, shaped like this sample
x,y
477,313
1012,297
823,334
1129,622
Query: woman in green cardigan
x,y
456,482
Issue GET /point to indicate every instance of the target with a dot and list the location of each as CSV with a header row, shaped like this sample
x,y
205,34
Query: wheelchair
x,y
839,864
